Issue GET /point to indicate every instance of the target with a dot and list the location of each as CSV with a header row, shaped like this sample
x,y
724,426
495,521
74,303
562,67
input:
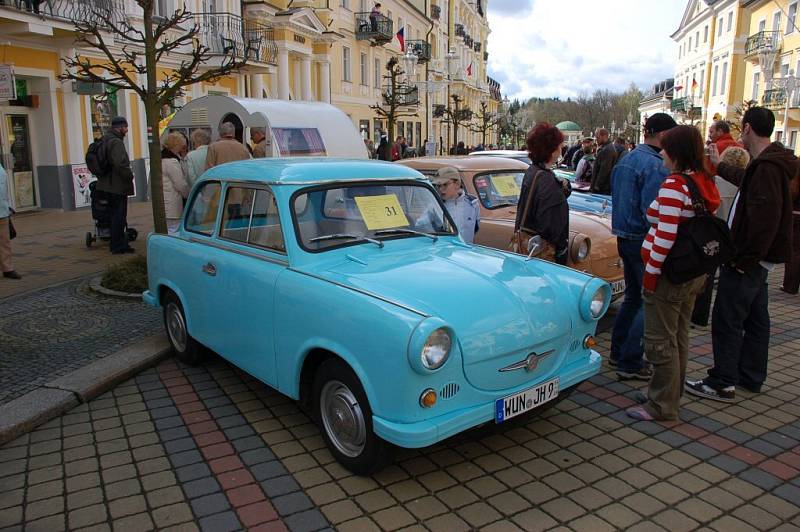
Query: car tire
x,y
185,348
345,419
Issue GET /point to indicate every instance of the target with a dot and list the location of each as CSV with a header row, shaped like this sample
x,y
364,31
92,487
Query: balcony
x,y
468,41
477,46
104,13
422,49
681,105
438,110
378,30
404,95
436,12
762,42
459,29
485,56
228,34
774,99
464,115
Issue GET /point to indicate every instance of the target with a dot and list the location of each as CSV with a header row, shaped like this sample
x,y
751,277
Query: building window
x,y
784,70
364,80
696,39
719,27
690,44
754,95
702,78
346,64
791,17
345,4
730,21
714,81
776,21
793,139
762,25
705,34
724,78
377,73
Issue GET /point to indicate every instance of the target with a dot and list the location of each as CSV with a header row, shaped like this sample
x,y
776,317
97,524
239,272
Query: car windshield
x,y
367,213
498,189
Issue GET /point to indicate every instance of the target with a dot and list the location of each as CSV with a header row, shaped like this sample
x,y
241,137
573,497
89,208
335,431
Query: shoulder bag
x,y
522,236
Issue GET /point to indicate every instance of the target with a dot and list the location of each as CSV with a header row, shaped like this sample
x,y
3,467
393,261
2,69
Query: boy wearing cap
x,y
117,183
635,181
463,208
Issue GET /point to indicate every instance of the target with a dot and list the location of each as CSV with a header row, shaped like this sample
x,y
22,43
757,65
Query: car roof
x,y
500,153
309,170
468,163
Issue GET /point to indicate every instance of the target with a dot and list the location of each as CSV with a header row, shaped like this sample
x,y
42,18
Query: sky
x,y
559,48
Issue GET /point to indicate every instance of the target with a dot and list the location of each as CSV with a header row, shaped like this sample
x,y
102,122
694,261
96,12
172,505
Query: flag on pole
x,y
694,84
469,69
678,88
401,37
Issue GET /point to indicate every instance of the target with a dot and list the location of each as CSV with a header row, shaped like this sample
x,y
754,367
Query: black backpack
x,y
703,243
96,158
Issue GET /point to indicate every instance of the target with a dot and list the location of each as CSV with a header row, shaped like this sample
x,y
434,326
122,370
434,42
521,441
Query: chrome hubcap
x,y
176,327
343,419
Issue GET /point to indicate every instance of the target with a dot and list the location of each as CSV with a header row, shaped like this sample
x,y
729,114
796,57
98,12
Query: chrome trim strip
x,y
362,291
529,363
218,245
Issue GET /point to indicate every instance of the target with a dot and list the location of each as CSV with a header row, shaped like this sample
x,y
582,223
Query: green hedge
x,y
128,276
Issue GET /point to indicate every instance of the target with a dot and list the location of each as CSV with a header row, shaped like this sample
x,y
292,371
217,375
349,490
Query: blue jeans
x,y
740,329
626,340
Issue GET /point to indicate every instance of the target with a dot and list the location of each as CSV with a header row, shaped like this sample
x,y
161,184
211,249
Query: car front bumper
x,y
430,431
149,298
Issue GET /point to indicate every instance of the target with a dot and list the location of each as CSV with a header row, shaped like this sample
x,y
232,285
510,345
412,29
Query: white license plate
x,y
617,287
526,400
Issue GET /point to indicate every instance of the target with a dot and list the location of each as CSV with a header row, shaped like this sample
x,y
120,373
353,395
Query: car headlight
x,y
436,349
598,302
595,298
580,248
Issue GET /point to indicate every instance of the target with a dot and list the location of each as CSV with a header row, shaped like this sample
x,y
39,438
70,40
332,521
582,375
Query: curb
x,y
51,400
95,286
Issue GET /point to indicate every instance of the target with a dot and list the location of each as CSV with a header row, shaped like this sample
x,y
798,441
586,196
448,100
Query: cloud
x,y
544,49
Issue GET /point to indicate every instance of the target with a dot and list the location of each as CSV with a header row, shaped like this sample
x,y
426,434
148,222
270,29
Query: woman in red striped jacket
x,y
668,306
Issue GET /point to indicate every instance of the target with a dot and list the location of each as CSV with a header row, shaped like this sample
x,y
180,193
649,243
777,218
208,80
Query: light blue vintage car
x,y
343,284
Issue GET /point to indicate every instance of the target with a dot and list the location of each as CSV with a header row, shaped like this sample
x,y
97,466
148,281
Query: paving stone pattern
x,y
210,448
51,332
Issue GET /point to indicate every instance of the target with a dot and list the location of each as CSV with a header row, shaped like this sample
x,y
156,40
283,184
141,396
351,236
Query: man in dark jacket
x,y
761,228
117,183
604,162
567,159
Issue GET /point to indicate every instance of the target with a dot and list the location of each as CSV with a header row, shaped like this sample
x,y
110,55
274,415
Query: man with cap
x,y
117,183
635,181
463,208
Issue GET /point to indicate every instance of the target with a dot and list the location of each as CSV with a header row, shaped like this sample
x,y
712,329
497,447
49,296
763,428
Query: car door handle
x,y
210,269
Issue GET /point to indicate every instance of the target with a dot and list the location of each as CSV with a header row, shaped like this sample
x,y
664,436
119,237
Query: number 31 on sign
x,y
381,212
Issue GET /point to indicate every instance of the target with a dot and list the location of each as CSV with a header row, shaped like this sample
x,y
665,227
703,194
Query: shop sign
x,y
8,87
81,177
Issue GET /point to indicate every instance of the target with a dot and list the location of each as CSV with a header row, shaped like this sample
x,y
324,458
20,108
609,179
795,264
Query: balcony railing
x,y
404,95
763,41
229,34
464,114
485,56
477,46
436,12
87,11
378,29
682,105
422,49
468,41
438,110
774,99
460,31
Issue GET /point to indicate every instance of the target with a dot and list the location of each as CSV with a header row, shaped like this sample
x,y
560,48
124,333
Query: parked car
x,y
496,182
344,284
583,202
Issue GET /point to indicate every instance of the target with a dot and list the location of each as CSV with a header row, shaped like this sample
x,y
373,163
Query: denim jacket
x,y
4,206
635,181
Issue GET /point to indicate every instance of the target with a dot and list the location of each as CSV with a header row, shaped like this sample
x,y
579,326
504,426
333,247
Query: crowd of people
x,y
385,150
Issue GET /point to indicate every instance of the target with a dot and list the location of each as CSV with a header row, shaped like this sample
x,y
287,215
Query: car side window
x,y
202,216
251,217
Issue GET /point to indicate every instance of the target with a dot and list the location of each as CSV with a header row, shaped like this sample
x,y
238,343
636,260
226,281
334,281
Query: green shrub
x,y
128,276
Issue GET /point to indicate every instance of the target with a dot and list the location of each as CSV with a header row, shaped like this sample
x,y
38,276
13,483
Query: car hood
x,y
499,305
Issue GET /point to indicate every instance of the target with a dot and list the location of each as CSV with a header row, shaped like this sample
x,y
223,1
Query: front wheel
x,y
186,348
346,419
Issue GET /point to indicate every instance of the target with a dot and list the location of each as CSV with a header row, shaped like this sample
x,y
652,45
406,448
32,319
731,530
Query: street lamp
x,y
789,83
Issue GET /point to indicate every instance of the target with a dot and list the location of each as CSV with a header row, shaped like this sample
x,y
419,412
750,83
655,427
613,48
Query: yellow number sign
x,y
381,212
505,185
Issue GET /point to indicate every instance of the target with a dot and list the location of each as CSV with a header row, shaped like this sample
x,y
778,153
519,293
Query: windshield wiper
x,y
406,231
338,236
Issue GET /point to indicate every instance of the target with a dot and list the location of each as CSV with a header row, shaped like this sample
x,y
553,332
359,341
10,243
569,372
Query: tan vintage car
x,y
496,181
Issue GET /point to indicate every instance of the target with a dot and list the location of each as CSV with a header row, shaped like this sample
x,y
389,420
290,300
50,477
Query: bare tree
x,y
397,96
739,110
485,120
127,51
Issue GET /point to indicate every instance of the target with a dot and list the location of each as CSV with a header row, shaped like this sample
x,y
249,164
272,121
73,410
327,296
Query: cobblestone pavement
x,y
209,448
50,332
51,247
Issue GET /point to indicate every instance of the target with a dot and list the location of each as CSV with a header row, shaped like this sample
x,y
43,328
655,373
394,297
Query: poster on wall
x,y
81,177
23,190
8,86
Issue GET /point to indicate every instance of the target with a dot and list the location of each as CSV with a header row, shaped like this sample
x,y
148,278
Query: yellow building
x,y
314,50
772,52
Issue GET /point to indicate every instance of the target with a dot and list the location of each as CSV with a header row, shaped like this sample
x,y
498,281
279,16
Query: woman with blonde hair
x,y
173,180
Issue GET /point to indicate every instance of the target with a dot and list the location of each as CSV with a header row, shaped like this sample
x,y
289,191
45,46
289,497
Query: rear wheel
x,y
346,419
186,348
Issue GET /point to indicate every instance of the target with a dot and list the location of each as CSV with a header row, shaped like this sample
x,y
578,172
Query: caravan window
x,y
304,141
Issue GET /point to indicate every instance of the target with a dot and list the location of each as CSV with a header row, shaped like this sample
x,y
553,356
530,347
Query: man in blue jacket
x,y
635,181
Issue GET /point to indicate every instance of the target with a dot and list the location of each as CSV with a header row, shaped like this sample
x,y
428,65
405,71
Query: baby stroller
x,y
101,213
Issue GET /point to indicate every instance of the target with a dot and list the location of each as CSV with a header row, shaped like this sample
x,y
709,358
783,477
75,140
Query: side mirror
x,y
534,245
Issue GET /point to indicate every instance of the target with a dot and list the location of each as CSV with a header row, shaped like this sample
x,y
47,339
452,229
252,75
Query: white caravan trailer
x,y
293,128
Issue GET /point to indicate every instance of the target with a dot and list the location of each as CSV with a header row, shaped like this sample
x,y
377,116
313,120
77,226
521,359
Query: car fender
x,y
161,284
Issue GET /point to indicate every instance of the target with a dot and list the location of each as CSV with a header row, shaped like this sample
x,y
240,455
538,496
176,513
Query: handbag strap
x,y
529,199
698,204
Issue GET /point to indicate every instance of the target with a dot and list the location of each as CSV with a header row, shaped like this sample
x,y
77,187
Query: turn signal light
x,y
428,398
589,342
